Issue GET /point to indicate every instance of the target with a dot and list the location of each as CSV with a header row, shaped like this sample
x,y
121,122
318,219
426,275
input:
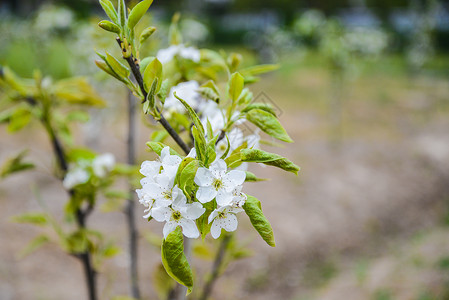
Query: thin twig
x,y
129,209
216,268
136,73
80,214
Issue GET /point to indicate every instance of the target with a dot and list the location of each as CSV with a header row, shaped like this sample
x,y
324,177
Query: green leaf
x,y
15,164
163,91
259,69
77,91
116,66
203,222
262,106
174,260
144,63
153,71
268,123
39,219
192,114
20,118
146,33
122,12
107,69
187,176
109,26
236,86
109,9
159,135
200,144
258,220
137,12
209,91
251,177
182,165
157,147
173,33
150,100
35,244
271,159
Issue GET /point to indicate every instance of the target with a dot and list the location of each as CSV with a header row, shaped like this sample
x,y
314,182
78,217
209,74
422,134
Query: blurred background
x,y
363,89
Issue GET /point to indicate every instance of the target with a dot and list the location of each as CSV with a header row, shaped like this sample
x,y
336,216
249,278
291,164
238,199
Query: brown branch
x,y
216,268
136,73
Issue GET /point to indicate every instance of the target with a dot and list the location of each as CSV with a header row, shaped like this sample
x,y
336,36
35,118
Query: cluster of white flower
x,y
80,174
166,55
225,187
166,202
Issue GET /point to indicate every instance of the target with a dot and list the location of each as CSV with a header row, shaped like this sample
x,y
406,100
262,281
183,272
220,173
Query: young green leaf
x,y
182,165
209,91
39,219
137,13
157,147
122,12
109,26
236,86
262,106
253,209
200,144
151,100
268,123
251,177
174,260
259,69
105,67
187,176
271,159
203,222
119,68
193,115
174,35
109,9
146,33
35,244
15,164
153,71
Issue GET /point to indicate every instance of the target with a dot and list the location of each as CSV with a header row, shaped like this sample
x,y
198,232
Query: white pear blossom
x,y
180,214
103,164
166,55
187,91
223,217
75,177
166,163
216,182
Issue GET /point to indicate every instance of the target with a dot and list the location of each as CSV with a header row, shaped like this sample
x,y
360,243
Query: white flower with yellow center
x,y
180,214
223,217
216,182
166,163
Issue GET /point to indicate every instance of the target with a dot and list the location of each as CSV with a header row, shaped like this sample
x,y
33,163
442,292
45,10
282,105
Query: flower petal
x,y
235,177
205,194
218,168
189,228
169,227
153,190
230,222
194,211
215,229
161,214
204,177
224,198
150,168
